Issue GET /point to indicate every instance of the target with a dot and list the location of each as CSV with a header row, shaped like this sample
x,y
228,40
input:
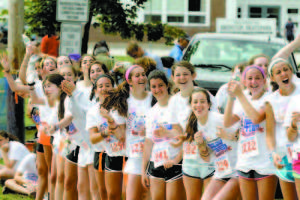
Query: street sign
x,y
72,10
70,38
247,26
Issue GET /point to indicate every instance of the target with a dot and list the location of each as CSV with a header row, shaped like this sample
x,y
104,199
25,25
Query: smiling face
x,y
67,73
200,105
86,61
159,89
138,78
262,62
63,60
183,78
103,86
254,81
282,75
51,90
96,71
49,66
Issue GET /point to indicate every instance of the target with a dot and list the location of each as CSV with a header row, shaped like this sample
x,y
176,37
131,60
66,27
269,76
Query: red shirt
x,y
50,45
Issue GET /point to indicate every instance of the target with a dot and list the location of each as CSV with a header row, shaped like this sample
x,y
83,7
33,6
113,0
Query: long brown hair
x,y
11,137
192,125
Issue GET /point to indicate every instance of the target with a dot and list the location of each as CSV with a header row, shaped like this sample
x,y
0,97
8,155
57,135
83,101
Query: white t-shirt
x,y
293,106
31,69
225,151
181,107
163,116
28,167
136,120
111,145
48,115
279,105
253,153
17,152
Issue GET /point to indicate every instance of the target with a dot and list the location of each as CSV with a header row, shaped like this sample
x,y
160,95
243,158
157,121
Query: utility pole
x,y
15,104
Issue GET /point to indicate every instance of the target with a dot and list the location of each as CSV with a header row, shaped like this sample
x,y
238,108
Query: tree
x,y
112,15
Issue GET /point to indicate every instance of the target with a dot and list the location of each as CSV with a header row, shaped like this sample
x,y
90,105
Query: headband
x,y
276,61
106,76
129,70
253,67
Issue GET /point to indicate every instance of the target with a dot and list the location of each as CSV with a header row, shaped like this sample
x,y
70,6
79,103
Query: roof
x,y
254,38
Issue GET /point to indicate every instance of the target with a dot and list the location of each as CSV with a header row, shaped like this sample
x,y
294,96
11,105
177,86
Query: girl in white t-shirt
x,y
132,101
255,170
198,163
25,179
183,75
107,147
277,111
164,168
12,152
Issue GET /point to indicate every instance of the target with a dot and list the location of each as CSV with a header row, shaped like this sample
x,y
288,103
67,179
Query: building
x,y
279,9
191,15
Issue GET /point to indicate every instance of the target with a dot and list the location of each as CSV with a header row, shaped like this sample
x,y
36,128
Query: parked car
x,y
4,30
214,54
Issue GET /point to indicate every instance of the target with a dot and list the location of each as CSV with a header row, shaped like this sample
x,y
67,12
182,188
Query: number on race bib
x,y
190,149
160,157
117,146
136,149
249,146
222,165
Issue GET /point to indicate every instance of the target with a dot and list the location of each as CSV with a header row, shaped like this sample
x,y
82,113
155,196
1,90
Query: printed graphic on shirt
x,y
218,146
72,129
135,122
248,128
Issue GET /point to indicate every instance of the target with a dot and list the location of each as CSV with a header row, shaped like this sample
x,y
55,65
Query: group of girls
x,y
142,140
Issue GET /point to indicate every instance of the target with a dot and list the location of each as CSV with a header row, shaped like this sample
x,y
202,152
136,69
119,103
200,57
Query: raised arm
x,y
286,51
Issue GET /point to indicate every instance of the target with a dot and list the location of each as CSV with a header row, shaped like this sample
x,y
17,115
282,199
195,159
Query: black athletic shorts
x,y
39,148
99,161
251,175
115,164
170,174
73,156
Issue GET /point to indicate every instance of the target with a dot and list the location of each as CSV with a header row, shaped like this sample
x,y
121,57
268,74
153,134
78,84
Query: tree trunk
x,y
85,38
15,107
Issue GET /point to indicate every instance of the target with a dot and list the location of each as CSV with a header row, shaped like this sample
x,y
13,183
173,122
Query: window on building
x,y
194,5
255,12
197,19
175,19
239,12
292,11
152,18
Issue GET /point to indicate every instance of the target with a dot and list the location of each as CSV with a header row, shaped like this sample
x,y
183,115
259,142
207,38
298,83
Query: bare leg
x,y
175,190
100,178
13,185
297,182
157,188
42,169
59,190
93,183
71,176
193,187
230,190
135,191
83,183
113,184
248,189
288,190
51,180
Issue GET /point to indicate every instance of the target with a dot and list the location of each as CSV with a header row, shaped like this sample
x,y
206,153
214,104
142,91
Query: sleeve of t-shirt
x,y
117,117
14,151
25,163
91,119
293,106
220,97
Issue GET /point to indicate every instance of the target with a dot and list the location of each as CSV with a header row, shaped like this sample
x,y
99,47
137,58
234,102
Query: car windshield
x,y
227,52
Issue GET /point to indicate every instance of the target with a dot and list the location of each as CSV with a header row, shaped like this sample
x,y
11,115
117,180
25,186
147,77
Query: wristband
x,y
113,128
7,71
292,126
31,84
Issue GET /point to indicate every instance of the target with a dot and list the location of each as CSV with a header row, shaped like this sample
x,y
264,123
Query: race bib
x,y
136,148
249,146
223,165
190,150
117,147
161,156
291,152
72,129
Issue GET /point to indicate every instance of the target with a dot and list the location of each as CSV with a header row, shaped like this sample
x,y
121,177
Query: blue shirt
x,y
176,52
159,64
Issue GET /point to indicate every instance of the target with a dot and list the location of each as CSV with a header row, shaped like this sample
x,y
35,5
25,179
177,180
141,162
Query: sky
x,y
3,4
